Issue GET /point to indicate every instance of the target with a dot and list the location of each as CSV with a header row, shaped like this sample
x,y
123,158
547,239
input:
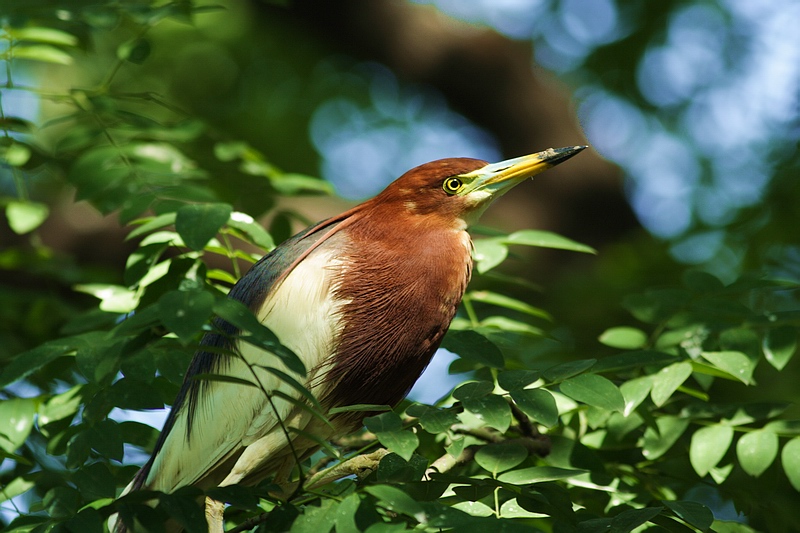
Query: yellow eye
x,y
452,185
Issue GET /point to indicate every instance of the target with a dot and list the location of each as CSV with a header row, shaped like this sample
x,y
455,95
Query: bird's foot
x,y
214,515
360,466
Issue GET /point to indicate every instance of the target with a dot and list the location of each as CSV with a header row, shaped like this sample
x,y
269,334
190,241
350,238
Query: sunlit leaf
x,y
16,422
790,458
756,451
708,447
667,381
488,253
113,298
44,53
252,229
25,216
736,364
658,441
507,302
624,338
546,239
634,392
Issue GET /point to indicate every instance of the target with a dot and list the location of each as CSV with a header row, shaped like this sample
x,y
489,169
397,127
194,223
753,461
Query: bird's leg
x,y
215,510
360,465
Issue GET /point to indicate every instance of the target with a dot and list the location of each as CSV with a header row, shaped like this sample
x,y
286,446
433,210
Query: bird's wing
x,y
211,422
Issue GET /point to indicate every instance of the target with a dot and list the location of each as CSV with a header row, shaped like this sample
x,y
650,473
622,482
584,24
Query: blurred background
x,y
691,109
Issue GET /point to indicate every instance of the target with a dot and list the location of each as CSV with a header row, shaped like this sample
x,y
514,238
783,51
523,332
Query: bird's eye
x,y
452,185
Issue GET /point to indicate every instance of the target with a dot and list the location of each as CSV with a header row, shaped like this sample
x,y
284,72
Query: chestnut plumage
x,y
364,299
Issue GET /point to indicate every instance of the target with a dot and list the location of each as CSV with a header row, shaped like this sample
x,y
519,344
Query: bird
x,y
363,299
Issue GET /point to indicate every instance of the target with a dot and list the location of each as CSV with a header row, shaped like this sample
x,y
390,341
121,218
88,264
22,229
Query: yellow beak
x,y
498,177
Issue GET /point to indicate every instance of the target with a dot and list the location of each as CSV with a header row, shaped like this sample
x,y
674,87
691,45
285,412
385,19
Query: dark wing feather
x,y
251,290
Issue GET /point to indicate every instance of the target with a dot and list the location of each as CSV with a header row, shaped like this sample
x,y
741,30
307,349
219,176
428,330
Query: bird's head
x,y
458,190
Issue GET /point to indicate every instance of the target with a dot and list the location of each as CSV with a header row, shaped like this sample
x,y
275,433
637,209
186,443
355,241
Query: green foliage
x,y
616,436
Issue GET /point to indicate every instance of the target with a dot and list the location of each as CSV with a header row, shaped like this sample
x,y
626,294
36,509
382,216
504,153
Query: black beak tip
x,y
562,154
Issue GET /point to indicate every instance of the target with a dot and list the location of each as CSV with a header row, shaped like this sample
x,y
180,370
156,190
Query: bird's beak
x,y
496,178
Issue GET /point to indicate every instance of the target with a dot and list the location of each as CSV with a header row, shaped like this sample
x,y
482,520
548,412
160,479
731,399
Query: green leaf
x,y
199,223
292,184
185,312
488,253
624,338
43,35
438,420
693,513
25,216
500,457
790,457
538,404
657,441
42,52
135,50
756,451
383,422
546,239
61,502
27,362
95,481
182,506
539,474
708,447
146,225
247,225
16,422
15,154
594,390
17,486
667,381
473,346
736,364
700,281
517,379
501,300
629,520
779,345
113,298
128,393
634,392
403,443
568,369
397,501
493,410
632,360
473,390
474,508
345,517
